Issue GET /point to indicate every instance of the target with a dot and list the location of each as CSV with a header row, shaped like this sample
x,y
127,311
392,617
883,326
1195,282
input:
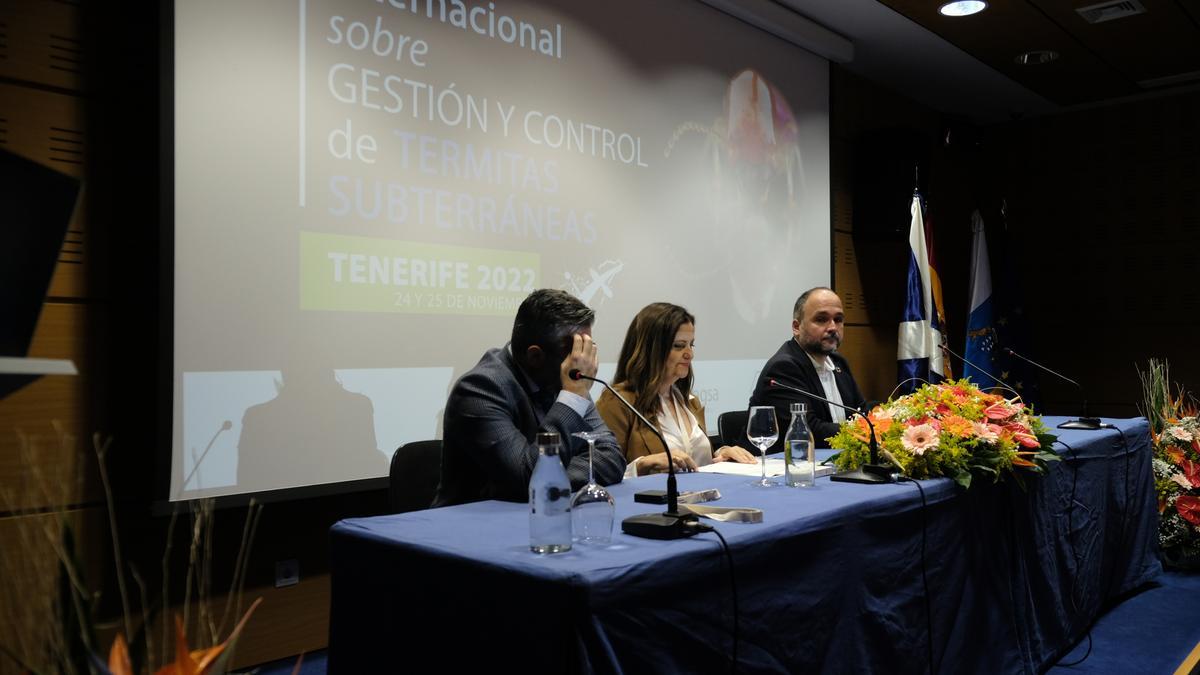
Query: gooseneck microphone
x,y
668,525
872,472
999,381
1084,422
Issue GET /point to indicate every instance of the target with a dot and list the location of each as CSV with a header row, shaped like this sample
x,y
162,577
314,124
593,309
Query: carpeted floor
x,y
314,664
1151,632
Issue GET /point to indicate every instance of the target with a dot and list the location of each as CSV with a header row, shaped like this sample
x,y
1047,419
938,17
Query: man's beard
x,y
819,347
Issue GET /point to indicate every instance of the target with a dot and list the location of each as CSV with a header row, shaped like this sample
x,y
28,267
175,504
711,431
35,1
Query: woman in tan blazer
x,y
654,374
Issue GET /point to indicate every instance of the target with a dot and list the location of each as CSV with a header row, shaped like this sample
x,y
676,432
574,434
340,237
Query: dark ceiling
x,y
1156,50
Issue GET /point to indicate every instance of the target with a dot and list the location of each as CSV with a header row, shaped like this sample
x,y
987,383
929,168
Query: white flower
x,y
1162,469
1181,434
1182,480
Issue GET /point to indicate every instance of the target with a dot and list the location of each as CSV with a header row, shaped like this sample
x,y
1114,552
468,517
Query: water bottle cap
x,y
548,441
798,408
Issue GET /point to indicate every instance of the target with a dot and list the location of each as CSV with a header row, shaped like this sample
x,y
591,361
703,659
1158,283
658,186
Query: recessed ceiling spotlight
x,y
1036,57
962,8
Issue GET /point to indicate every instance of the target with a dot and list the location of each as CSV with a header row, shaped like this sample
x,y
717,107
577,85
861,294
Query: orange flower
x,y
118,657
957,425
186,662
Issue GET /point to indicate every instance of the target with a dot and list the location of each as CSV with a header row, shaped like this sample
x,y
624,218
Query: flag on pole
x,y
981,330
935,282
1008,313
919,354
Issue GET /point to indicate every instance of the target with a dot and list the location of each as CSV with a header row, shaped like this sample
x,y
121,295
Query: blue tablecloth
x,y
829,582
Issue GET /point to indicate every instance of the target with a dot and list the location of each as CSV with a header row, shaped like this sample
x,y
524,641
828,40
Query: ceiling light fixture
x,y
1036,57
962,8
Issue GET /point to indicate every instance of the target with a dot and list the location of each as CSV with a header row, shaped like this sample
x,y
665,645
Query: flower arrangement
x,y
950,429
1175,434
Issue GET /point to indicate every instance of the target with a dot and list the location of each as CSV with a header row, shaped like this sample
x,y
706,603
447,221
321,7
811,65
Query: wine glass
x,y
592,508
763,430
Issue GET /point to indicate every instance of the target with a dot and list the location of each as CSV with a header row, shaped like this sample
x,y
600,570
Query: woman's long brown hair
x,y
641,368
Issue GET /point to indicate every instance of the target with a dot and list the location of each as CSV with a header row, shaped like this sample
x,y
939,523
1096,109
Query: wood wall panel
x,y
53,414
291,620
28,575
867,348
44,126
41,43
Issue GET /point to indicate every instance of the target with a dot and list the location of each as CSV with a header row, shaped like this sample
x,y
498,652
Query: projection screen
x,y
364,192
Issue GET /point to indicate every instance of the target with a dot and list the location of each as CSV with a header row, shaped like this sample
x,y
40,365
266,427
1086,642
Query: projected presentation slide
x,y
365,191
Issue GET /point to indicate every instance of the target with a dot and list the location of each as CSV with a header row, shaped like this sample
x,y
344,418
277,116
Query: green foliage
x,y
951,429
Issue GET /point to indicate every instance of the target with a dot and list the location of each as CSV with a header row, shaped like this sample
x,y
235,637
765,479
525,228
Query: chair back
x,y
732,426
414,474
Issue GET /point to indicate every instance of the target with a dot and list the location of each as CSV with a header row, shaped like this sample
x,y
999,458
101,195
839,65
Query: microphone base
x,y
869,474
661,526
1086,423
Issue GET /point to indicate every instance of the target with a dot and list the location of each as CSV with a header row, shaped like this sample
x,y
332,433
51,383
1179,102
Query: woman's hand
x,y
733,453
657,463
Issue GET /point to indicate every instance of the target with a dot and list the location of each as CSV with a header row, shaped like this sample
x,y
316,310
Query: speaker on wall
x,y
36,204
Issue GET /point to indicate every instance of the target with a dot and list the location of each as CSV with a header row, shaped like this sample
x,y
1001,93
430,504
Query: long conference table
x,y
830,581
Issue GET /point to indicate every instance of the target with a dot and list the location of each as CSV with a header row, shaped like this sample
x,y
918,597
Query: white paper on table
x,y
774,468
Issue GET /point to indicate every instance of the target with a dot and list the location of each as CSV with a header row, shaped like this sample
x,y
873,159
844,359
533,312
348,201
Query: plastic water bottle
x,y
800,458
549,499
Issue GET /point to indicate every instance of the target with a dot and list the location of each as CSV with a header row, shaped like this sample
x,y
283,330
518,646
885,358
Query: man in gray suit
x,y
496,409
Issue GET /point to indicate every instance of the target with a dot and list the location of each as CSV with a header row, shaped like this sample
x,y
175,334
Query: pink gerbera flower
x,y
920,438
986,432
1180,433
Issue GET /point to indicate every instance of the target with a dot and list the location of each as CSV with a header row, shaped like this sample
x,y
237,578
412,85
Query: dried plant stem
x,y
30,581
193,554
245,559
149,634
101,452
242,561
166,575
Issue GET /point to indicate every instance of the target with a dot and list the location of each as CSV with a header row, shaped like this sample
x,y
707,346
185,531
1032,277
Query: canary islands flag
x,y
981,331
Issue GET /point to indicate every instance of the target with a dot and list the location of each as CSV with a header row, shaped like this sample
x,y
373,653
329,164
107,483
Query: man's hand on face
x,y
584,358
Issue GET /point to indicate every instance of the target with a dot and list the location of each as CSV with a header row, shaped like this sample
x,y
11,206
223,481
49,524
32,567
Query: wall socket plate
x,y
287,572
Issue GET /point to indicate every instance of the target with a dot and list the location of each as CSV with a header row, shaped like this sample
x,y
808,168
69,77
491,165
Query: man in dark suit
x,y
810,361
496,409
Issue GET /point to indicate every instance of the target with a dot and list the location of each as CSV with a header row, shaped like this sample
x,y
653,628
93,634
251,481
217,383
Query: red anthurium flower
x,y
998,411
1191,471
1189,507
1016,427
1026,439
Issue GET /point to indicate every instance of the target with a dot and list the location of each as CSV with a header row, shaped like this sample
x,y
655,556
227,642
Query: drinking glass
x,y
763,430
592,508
